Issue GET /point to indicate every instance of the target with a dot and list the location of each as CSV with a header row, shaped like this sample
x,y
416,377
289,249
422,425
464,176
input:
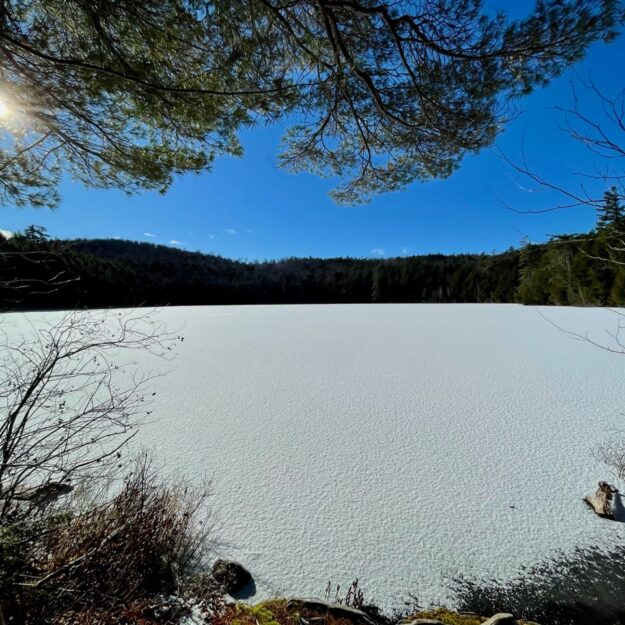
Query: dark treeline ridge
x,y
115,273
581,269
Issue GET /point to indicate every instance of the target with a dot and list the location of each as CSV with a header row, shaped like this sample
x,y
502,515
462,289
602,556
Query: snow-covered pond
x,y
401,444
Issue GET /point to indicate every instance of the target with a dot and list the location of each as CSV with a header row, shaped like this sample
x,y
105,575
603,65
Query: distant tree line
x,y
578,269
105,272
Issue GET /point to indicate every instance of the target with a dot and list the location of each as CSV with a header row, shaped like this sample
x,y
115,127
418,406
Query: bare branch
x,y
68,409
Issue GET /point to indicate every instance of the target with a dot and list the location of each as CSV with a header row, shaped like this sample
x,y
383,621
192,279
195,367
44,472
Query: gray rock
x,y
230,575
500,619
426,621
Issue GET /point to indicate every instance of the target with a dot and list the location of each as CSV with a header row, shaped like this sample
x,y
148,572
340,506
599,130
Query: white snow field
x,y
400,444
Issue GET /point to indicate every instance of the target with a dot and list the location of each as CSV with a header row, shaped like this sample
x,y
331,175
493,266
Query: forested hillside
x,y
104,272
580,269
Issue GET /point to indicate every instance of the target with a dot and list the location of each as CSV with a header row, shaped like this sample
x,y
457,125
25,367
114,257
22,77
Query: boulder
x,y
231,576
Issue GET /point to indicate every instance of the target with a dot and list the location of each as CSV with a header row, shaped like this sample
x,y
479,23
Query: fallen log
x,y
323,608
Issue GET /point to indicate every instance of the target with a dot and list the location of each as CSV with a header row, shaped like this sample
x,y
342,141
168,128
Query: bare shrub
x,y
148,611
69,410
354,597
150,539
612,453
34,269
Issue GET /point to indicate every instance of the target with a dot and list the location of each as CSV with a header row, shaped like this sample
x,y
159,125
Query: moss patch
x,y
448,617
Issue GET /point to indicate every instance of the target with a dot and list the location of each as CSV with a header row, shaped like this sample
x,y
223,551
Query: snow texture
x,y
400,444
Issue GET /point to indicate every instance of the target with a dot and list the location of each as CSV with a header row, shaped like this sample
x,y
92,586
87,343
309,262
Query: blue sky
x,y
247,208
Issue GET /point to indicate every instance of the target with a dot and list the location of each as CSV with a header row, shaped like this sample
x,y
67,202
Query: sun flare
x,y
5,110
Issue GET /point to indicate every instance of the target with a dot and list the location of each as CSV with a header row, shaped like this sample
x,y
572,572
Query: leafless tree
x,y
602,133
14,289
612,454
612,340
68,407
36,269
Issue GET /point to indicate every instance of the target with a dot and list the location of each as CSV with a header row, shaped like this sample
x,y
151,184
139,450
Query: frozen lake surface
x,y
390,442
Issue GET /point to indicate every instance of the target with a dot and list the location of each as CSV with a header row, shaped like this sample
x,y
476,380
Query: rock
x,y
322,607
426,621
230,575
500,619
602,502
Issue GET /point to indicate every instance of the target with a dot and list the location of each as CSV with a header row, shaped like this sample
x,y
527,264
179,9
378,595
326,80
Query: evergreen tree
x,y
612,212
127,94
378,284
35,234
125,273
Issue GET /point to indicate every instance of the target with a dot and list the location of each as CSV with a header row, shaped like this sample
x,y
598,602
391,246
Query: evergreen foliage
x,y
568,270
101,273
575,270
612,212
127,94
